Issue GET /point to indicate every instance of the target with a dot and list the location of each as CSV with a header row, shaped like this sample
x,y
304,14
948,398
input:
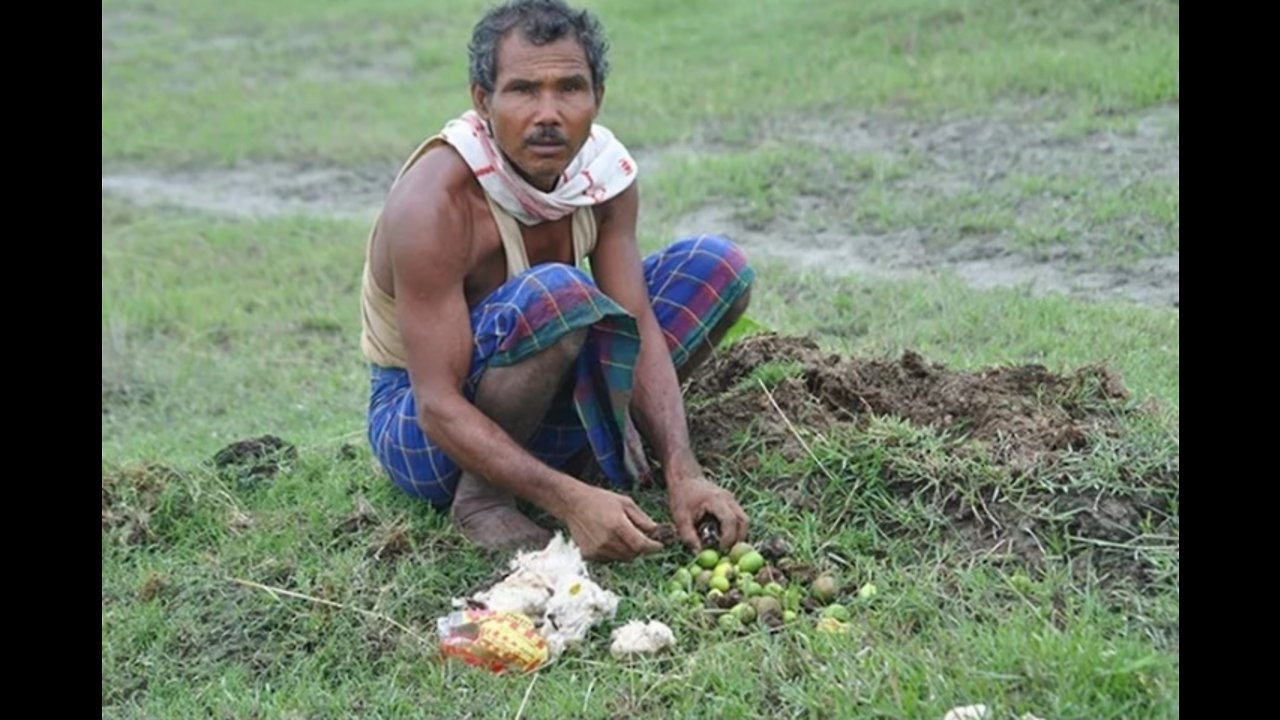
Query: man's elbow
x,y
437,410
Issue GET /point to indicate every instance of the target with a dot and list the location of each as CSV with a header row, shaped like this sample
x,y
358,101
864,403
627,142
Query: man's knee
x,y
556,281
733,255
739,306
535,310
553,276
718,246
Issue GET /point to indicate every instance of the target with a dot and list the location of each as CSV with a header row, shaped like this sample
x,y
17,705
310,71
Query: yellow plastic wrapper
x,y
496,641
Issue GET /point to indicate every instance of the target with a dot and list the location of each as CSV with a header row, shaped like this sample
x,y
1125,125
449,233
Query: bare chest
x,y
543,243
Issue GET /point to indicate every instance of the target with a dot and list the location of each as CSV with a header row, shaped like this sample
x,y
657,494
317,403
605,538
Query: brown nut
x,y
663,533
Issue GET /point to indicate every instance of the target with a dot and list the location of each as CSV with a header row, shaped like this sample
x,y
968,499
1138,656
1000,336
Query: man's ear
x,y
480,101
599,99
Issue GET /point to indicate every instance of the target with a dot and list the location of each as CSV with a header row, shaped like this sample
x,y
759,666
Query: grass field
x,y
989,184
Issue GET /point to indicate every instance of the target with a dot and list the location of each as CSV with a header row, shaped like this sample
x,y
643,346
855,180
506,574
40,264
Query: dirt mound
x,y
256,458
1020,422
130,499
1039,411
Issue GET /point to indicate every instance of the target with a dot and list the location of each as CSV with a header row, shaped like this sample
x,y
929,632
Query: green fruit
x,y
789,616
684,578
678,595
707,558
739,550
825,588
753,588
751,562
702,580
773,589
868,591
714,594
719,582
836,612
729,621
745,612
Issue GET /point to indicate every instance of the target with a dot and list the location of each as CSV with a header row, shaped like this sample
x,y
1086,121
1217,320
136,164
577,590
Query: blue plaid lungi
x,y
692,283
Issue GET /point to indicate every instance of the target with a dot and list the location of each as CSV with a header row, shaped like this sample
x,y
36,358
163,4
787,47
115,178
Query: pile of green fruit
x,y
761,586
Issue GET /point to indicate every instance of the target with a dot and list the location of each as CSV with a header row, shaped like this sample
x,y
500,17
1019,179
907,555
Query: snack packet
x,y
496,641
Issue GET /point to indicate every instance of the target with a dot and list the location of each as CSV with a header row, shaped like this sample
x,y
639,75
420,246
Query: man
x,y
495,360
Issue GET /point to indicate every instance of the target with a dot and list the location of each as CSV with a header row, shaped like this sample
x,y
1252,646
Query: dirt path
x,y
951,157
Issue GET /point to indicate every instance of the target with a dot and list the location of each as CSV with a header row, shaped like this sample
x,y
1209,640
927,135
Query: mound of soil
x,y
255,458
1024,418
130,498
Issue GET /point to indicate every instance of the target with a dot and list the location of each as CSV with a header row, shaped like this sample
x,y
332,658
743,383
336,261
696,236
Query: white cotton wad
x,y
554,589
521,591
641,638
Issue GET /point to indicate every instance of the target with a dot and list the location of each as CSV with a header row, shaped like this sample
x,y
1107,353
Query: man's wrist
x,y
564,496
680,467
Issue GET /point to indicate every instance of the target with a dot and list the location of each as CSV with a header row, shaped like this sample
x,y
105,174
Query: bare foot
x,y
501,528
489,518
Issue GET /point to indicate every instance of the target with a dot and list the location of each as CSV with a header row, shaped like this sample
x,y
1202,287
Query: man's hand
x,y
692,497
609,526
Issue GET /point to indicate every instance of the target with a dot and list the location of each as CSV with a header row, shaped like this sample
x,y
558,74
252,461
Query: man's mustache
x,y
549,136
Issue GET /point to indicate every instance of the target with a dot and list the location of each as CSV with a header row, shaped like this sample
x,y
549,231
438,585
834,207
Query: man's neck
x,y
553,182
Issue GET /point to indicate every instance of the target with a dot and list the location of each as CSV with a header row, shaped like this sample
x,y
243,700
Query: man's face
x,y
542,106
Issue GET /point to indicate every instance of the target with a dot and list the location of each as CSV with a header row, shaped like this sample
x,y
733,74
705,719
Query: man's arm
x,y
658,406
428,230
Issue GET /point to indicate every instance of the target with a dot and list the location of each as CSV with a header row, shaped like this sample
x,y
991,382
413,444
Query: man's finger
x,y
647,546
688,534
638,542
731,529
638,516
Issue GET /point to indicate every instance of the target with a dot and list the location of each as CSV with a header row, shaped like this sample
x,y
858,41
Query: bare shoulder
x,y
431,202
619,213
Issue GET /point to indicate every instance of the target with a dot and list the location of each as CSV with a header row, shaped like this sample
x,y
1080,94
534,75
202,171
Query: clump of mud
x,y
131,500
255,459
1022,421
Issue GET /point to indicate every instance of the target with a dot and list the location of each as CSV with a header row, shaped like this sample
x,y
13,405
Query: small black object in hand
x,y
709,531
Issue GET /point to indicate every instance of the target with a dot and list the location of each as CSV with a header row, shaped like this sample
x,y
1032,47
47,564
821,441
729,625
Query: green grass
x,y
803,184
218,83
212,329
216,329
